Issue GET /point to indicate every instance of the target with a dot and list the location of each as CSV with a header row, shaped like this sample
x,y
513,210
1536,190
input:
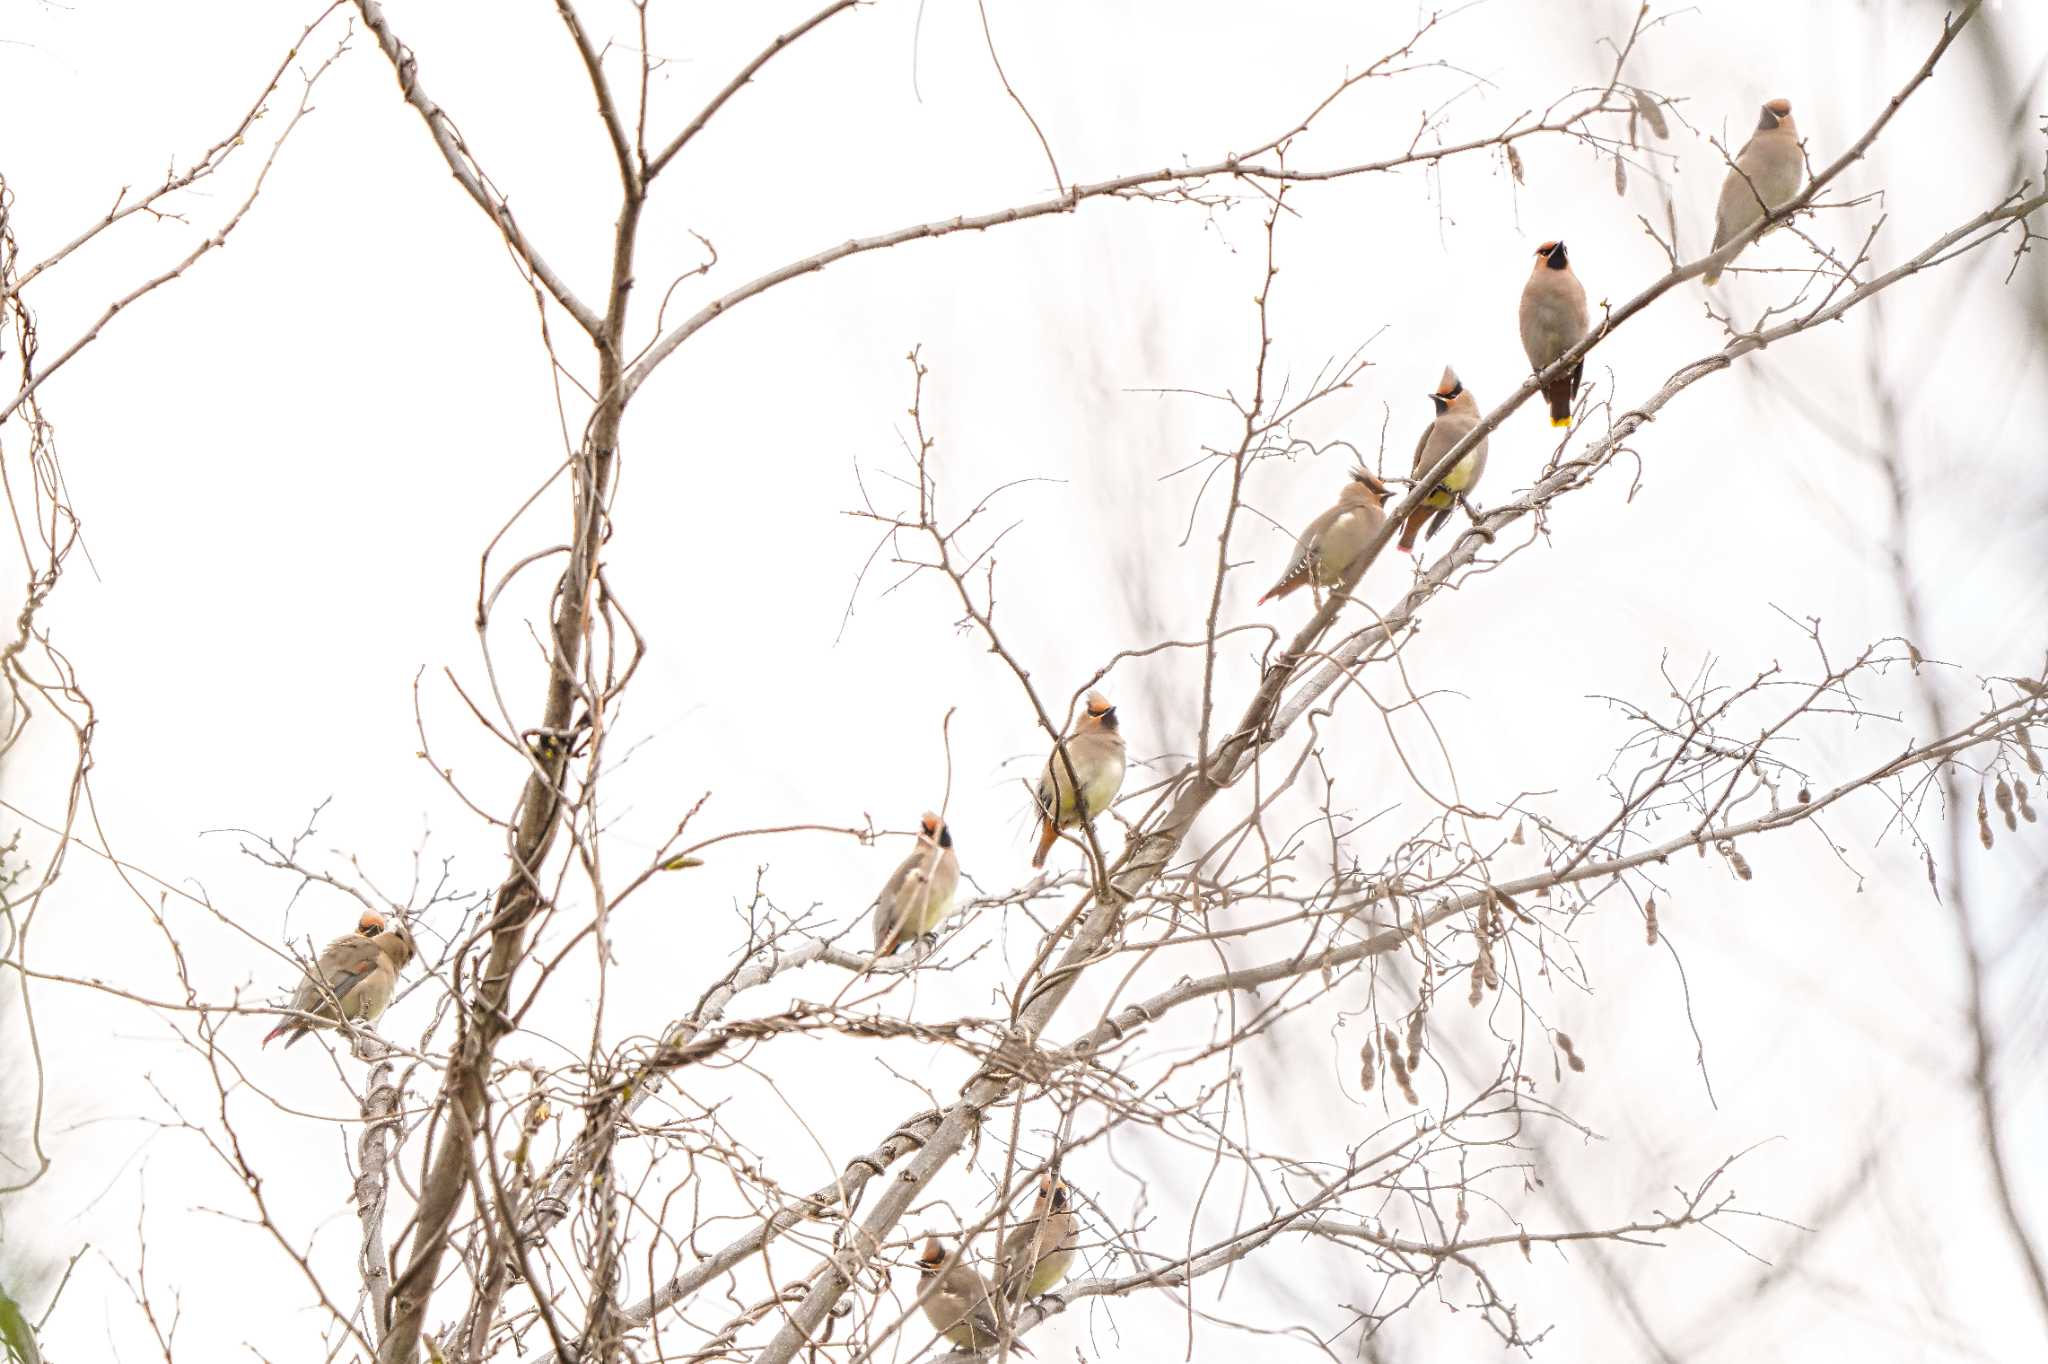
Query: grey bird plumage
x,y
358,972
919,893
1457,412
1326,549
957,1301
1553,320
1039,1251
1767,174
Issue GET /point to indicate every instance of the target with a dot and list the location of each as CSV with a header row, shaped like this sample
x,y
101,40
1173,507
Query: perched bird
x,y
1457,412
957,1301
1766,175
920,892
1334,540
1096,750
1038,1251
360,971
1553,321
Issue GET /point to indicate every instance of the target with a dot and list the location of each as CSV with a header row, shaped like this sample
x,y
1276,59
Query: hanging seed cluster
x,y
1571,1055
1399,1067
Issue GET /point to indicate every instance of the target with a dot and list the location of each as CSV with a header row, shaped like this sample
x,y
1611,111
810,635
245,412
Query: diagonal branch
x,y
467,172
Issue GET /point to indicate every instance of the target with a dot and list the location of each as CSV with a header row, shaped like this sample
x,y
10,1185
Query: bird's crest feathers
x,y
1370,482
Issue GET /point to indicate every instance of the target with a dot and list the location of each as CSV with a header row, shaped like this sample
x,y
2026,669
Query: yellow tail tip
x,y
1711,278
1560,421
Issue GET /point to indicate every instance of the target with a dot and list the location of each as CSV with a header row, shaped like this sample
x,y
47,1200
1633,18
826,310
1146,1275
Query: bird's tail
x,y
1280,589
1711,278
1560,397
1046,834
1413,527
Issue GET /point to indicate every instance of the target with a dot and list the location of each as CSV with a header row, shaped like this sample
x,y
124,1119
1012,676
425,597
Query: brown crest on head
x,y
1366,479
1553,254
933,828
1053,1190
371,924
1774,113
1447,392
932,1256
1101,711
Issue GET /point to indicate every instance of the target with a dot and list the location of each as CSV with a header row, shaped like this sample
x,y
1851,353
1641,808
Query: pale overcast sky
x,y
288,463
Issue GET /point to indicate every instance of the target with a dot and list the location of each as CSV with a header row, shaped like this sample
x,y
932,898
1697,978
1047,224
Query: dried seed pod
x,y
1805,796
1365,1079
1650,920
2003,795
1563,1040
1620,176
1415,1038
1518,840
1575,1061
1478,985
1515,164
2033,758
1740,863
1983,821
1365,1053
1913,655
1462,1216
1400,1069
1523,1241
1646,105
1492,975
2019,794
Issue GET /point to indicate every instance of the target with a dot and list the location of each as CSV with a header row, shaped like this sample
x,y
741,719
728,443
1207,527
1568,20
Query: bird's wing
x,y
345,964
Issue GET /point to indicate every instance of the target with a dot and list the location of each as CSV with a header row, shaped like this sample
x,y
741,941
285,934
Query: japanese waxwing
x,y
1457,412
1038,1252
360,971
1334,540
920,891
957,1300
1096,750
1553,321
1766,175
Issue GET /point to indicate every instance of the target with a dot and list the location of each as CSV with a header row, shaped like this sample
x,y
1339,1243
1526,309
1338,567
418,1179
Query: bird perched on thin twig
x,y
1457,412
957,1301
356,973
1095,747
1039,1250
1333,541
918,893
1766,174
1553,321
